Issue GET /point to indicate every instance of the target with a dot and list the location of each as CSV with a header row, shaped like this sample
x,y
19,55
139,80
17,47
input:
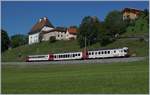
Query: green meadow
x,y
117,78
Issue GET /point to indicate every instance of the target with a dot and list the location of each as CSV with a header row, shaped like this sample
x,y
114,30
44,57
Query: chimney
x,y
40,20
45,18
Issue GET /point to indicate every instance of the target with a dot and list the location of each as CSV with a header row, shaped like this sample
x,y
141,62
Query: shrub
x,y
52,39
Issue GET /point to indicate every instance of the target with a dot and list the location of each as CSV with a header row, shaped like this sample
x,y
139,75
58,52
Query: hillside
x,y
137,47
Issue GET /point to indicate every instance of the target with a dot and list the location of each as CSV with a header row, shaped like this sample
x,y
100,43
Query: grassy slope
x,y
134,33
129,77
138,47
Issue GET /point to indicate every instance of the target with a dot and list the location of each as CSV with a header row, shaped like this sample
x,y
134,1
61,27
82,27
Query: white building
x,y
43,30
42,25
34,38
59,34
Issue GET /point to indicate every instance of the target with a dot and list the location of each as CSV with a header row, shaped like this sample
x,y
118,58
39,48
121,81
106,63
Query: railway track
x,y
90,61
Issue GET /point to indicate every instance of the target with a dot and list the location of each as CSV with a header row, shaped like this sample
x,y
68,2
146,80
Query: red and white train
x,y
103,53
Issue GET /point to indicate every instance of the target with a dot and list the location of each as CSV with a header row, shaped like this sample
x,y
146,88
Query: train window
x,y
38,56
114,51
92,53
99,52
96,53
105,52
102,52
73,55
108,52
78,54
125,50
89,53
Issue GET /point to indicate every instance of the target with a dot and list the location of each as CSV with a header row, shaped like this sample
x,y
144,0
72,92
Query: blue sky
x,y
18,17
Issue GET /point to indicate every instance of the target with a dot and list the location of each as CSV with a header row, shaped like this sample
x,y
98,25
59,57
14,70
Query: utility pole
x,y
85,41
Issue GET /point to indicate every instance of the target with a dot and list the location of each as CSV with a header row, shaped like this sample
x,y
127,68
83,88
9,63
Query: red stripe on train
x,y
85,54
51,57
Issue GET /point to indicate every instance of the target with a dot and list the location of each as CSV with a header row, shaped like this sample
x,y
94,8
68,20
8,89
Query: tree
x,y
88,29
18,40
114,22
146,12
104,35
52,39
4,41
141,25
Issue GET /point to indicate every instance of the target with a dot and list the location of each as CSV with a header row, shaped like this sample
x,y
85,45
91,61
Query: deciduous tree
x,y
18,40
88,29
4,40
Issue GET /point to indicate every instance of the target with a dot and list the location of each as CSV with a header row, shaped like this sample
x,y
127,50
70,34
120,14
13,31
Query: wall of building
x,y
130,15
34,38
70,36
57,34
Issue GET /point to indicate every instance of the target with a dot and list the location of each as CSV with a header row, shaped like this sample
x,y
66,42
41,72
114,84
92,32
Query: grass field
x,y
129,77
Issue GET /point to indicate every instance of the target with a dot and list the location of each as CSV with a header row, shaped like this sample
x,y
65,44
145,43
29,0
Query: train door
x,y
85,54
51,57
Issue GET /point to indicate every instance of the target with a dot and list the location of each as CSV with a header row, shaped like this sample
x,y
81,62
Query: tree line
x,y
13,41
107,31
91,28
